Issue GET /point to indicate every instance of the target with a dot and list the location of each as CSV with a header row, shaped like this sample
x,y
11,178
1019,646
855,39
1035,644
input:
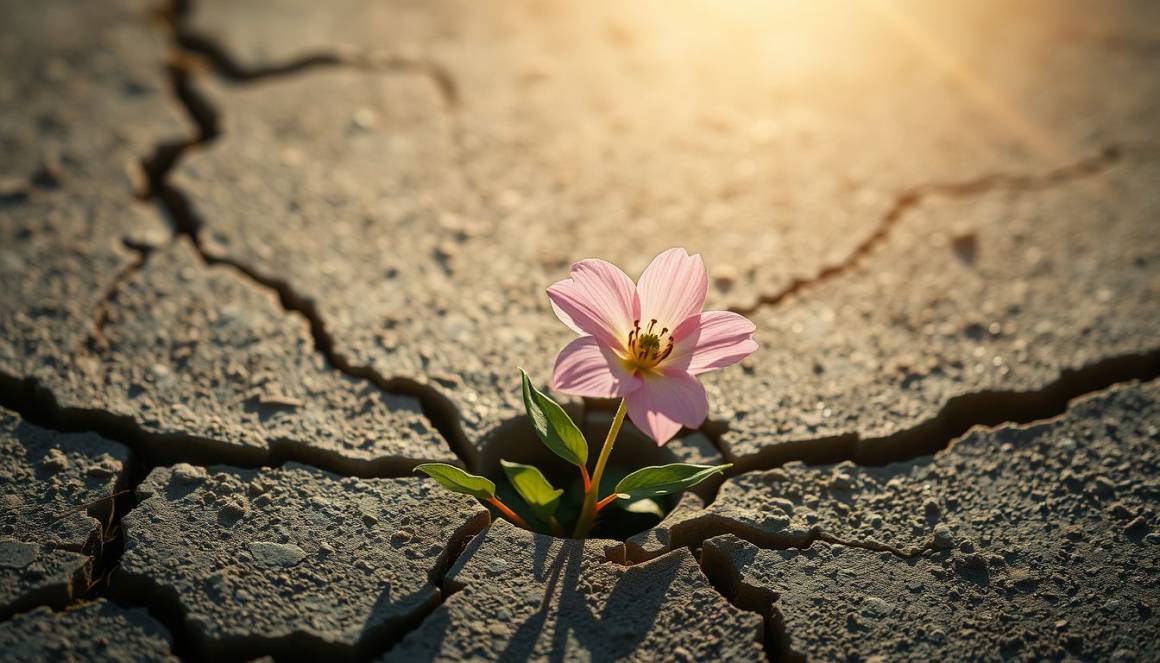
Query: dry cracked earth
x,y
258,259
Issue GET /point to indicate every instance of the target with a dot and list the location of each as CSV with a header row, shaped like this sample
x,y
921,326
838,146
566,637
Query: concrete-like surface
x,y
293,560
259,258
97,631
520,596
56,497
1036,544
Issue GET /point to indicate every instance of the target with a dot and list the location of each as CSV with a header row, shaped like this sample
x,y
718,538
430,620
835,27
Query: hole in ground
x,y
516,441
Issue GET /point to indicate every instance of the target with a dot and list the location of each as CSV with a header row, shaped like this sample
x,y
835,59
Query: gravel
x,y
291,560
56,494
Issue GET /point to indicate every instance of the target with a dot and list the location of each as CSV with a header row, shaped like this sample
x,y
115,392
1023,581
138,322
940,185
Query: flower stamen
x,y
645,349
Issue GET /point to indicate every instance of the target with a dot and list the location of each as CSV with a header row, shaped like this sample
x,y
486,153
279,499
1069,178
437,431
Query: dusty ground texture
x,y
258,259
976,490
57,500
1055,563
96,631
291,560
516,596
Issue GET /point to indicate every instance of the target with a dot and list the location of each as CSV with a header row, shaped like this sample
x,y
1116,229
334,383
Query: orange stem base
x,y
511,515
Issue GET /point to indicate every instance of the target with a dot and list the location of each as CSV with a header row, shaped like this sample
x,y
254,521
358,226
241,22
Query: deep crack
x,y
201,114
466,539
992,407
700,528
175,18
37,404
165,604
727,580
436,407
1034,408
911,198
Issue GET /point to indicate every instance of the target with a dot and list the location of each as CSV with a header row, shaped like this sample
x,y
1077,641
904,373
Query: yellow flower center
x,y
648,348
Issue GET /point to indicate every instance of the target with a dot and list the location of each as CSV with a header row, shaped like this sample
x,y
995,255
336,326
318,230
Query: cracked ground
x,y
259,259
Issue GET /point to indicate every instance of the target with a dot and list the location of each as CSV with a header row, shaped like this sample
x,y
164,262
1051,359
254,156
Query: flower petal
x,y
599,300
585,367
672,288
712,340
666,400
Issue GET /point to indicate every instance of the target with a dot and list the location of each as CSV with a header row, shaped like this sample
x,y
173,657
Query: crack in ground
x,y
105,553
96,342
987,408
1037,408
165,604
963,412
38,405
439,410
958,417
200,113
436,407
175,19
728,581
459,548
149,449
224,64
107,560
912,198
701,526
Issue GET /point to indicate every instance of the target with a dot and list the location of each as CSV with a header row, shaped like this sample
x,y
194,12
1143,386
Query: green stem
x,y
588,511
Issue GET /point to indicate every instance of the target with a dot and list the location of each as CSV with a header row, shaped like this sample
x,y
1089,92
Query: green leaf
x,y
645,505
530,483
664,479
553,425
456,480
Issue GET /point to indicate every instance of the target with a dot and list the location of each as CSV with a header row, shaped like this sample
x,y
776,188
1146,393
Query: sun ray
x,y
989,99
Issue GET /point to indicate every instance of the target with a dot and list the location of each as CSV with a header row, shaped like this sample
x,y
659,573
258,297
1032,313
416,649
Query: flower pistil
x,y
644,349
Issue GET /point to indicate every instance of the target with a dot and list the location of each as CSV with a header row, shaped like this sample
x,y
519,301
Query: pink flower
x,y
647,341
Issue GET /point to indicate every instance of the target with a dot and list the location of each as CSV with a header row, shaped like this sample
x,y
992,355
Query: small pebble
x,y
943,540
55,461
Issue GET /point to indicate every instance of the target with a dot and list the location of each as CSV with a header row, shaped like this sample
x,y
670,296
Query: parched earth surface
x,y
259,259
